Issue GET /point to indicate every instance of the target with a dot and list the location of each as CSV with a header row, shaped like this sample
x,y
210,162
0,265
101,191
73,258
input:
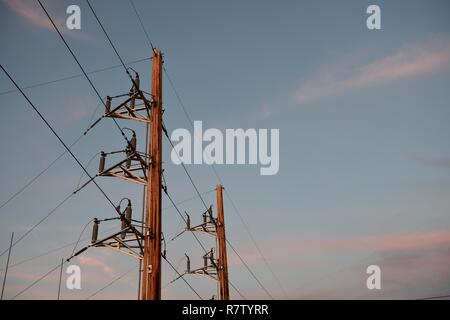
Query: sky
x,y
364,175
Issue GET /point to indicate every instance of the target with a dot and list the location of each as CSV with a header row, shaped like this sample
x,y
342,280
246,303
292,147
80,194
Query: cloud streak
x,y
431,161
289,249
31,13
406,62
96,263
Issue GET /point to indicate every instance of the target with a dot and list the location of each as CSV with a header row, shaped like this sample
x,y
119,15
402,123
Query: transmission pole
x,y
224,293
151,272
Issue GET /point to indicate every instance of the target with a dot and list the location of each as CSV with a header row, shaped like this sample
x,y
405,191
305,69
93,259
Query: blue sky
x,y
364,154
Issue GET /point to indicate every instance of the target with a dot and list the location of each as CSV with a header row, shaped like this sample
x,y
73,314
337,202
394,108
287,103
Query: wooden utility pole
x,y
224,293
151,271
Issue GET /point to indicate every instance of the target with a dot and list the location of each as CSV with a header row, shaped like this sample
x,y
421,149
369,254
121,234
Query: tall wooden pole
x,y
224,292
151,271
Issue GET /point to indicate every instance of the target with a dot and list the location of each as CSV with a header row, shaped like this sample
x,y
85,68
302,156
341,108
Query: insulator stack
x,y
108,105
128,212
101,166
133,141
128,153
132,101
95,231
137,82
188,264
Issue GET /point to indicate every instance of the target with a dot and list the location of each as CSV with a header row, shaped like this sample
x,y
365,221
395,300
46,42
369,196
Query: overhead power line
x,y
39,279
62,142
197,239
32,180
206,207
40,221
191,123
82,69
40,84
142,26
111,283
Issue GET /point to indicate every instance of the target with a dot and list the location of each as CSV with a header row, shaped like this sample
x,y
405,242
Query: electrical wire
x,y
195,236
111,283
39,279
206,207
181,276
36,85
64,144
45,253
188,117
30,182
40,221
142,26
84,72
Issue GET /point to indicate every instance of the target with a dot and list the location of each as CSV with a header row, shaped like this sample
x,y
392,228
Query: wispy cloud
x,y
428,160
289,249
32,13
96,263
408,61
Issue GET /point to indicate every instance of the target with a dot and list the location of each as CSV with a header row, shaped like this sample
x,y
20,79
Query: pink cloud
x,y
350,74
291,249
96,263
31,12
429,160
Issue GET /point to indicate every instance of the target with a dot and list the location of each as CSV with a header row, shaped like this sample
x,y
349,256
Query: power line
x,y
30,182
40,84
43,254
184,219
142,25
111,283
253,239
206,207
180,101
38,280
190,120
181,276
189,199
40,221
186,113
84,72
55,208
110,42
195,236
63,143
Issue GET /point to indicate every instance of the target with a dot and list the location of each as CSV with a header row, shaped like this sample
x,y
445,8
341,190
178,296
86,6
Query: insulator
x,y
123,227
128,152
133,141
137,82
108,104
205,260
101,166
188,264
132,101
211,256
188,222
95,231
128,212
204,217
210,213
